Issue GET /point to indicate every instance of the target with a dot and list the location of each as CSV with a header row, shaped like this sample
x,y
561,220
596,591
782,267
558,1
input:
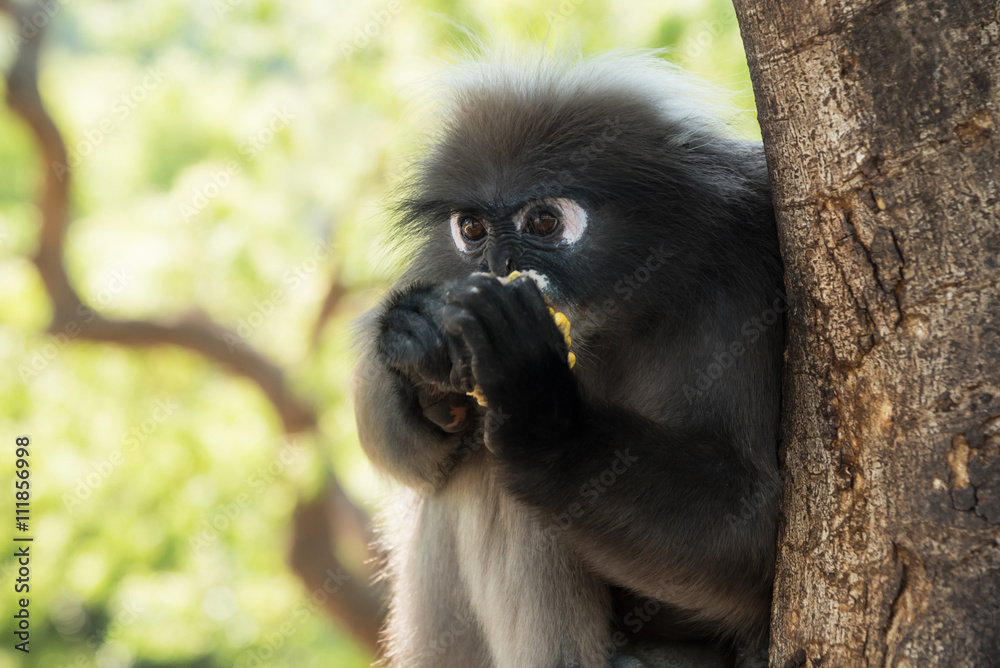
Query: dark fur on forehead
x,y
613,128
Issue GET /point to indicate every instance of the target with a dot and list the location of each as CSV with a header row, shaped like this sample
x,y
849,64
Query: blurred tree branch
x,y
334,294
316,524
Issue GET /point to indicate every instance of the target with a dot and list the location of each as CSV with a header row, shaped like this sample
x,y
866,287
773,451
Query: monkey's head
x,y
600,174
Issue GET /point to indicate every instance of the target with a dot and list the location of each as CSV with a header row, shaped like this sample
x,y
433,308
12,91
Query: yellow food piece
x,y
477,394
562,324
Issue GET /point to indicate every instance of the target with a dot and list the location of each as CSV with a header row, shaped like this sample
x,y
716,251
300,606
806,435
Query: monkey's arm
x,y
681,517
685,517
408,390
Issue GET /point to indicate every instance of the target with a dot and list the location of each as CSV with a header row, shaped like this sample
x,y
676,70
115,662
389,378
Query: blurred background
x,y
227,162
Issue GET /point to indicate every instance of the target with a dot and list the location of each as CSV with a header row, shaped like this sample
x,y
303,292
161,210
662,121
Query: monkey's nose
x,y
502,264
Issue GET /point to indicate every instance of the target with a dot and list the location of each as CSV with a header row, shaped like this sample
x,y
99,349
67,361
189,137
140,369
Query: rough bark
x,y
881,121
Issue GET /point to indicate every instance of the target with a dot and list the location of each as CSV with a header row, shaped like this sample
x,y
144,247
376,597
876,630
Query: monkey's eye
x,y
468,231
544,223
472,228
552,221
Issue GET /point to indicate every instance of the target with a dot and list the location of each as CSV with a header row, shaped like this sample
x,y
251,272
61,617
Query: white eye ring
x,y
572,217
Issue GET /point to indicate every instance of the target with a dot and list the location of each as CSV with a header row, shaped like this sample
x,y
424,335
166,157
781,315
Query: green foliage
x,y
226,156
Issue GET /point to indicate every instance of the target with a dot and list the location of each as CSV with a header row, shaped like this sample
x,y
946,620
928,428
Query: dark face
x,y
529,185
594,189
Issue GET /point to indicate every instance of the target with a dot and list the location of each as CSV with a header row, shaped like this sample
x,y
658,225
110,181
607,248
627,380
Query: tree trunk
x,y
881,122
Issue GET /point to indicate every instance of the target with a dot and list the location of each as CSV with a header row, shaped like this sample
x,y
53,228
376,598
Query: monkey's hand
x,y
518,354
413,342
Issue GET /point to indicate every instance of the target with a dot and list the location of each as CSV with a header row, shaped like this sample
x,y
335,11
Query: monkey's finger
x,y
461,377
530,300
480,294
493,306
400,351
407,337
414,324
462,322
473,285
546,332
